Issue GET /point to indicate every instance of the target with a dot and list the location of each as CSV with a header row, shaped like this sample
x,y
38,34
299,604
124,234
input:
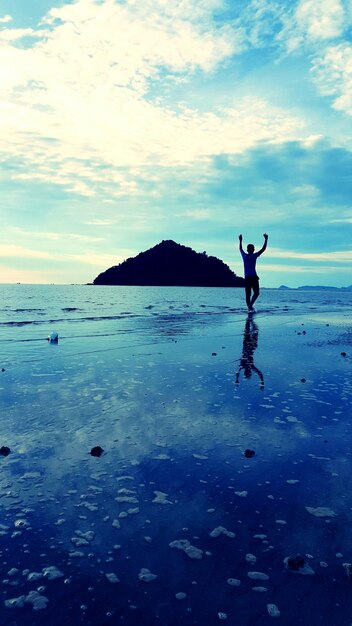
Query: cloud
x,y
5,19
97,260
98,222
12,250
346,220
333,74
281,268
81,103
342,256
320,20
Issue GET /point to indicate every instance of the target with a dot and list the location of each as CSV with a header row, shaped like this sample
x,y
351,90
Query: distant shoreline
x,y
281,288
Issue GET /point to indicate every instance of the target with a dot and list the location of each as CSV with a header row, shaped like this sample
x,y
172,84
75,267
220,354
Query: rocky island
x,y
171,264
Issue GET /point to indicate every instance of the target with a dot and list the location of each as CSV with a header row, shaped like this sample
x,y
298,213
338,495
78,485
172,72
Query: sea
x,y
29,312
167,459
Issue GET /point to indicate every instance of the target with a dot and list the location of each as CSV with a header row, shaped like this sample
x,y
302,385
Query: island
x,y
171,264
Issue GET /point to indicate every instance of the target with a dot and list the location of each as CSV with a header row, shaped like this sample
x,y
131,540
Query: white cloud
x,y
47,235
199,214
79,97
20,252
346,220
5,19
97,260
320,19
341,256
99,222
22,275
297,269
333,74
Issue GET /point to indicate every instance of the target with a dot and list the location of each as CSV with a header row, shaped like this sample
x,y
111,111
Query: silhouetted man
x,y
251,277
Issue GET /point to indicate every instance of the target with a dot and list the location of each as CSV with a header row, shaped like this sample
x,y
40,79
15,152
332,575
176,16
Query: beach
x,y
222,490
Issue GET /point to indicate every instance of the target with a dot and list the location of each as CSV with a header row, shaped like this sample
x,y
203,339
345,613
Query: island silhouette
x,y
171,264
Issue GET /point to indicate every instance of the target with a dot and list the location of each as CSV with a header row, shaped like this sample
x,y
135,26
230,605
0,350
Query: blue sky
x,y
126,122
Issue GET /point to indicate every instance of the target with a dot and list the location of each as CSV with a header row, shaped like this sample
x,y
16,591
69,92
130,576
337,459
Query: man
x,y
251,278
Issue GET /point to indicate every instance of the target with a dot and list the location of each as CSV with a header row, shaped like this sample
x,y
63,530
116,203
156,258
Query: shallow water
x,y
175,396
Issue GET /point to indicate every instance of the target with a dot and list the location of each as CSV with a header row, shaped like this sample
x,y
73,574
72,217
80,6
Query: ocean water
x,y
173,524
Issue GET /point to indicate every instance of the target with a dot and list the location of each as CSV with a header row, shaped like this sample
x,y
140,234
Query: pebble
x,y
146,576
257,576
250,558
96,451
184,545
273,610
233,582
112,578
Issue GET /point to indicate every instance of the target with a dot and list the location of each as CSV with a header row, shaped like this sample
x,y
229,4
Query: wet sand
x,y
175,523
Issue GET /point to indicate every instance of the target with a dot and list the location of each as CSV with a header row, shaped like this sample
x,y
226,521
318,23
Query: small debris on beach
x,y
233,582
298,564
161,498
146,576
53,337
321,511
220,530
241,494
273,610
184,545
257,576
251,558
97,451
294,563
112,578
348,569
52,573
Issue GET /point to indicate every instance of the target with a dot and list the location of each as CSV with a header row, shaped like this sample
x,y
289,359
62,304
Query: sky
x,y
126,122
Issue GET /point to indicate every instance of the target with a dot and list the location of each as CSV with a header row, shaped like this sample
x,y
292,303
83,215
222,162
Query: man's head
x,y
250,248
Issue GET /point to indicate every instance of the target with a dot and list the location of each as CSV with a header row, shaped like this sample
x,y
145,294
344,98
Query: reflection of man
x,y
250,342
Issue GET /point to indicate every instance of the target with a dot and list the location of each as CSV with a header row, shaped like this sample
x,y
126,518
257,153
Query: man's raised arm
x,y
240,246
264,246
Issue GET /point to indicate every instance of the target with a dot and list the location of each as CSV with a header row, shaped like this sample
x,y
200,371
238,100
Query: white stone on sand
x,y
321,511
146,576
250,558
180,595
257,576
184,545
273,610
112,578
233,582
52,572
221,530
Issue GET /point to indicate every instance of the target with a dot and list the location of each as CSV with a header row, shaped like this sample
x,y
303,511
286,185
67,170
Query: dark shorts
x,y
252,282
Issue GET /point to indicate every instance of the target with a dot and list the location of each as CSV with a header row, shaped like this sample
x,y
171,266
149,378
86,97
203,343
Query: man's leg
x,y
248,293
255,292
